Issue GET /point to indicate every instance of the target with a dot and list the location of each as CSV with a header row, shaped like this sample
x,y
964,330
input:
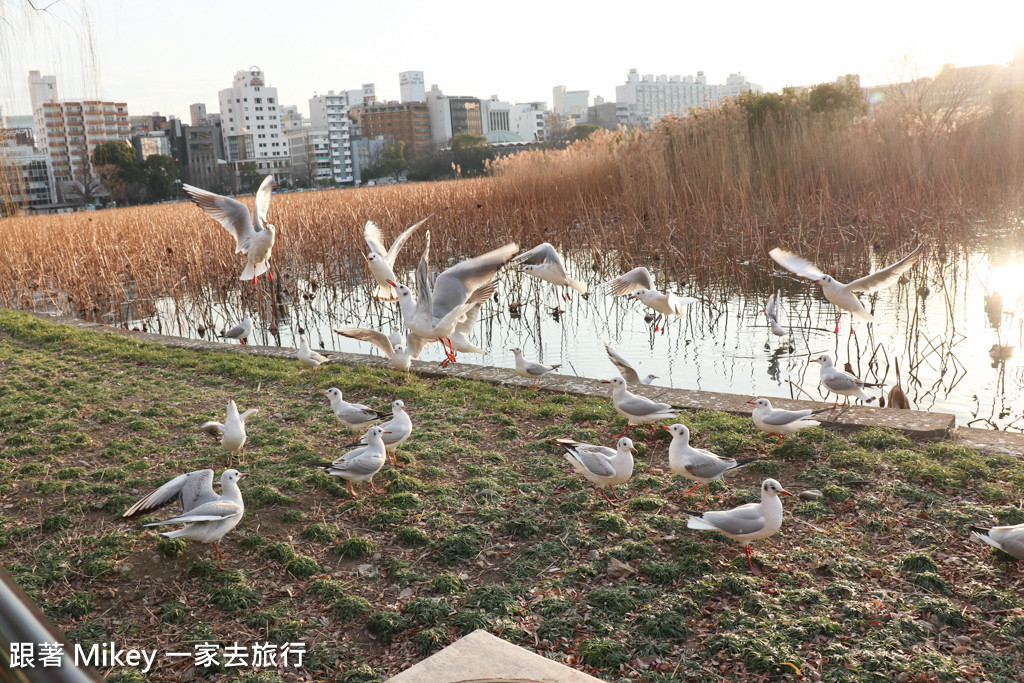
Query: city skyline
x,y
322,47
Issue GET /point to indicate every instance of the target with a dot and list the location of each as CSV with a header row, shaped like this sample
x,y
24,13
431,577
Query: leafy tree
x,y
159,172
392,158
581,131
250,176
470,154
846,98
118,169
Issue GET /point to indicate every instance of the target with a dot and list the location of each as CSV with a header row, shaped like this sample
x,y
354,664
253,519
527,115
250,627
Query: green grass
x,y
485,528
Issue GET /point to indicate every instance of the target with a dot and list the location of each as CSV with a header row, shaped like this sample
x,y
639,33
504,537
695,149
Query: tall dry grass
x,y
704,195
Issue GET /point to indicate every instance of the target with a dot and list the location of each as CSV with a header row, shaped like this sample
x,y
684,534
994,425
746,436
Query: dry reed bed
x,y
703,194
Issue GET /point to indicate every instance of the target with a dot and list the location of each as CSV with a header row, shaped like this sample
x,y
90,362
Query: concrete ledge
x,y
915,424
483,658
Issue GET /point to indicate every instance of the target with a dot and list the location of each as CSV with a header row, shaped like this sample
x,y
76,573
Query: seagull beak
x,y
815,360
751,403
392,283
784,492
666,428
633,450
606,381
243,475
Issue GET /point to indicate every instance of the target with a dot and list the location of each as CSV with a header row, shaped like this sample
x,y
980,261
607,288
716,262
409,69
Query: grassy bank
x,y
484,526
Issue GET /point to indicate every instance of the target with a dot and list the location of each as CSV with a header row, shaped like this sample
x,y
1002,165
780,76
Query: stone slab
x,y
914,423
481,657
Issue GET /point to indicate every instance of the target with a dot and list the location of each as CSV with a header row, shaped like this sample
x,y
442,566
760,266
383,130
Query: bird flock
x,y
446,309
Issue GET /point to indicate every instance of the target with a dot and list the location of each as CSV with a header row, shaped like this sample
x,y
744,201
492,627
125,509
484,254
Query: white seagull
x,y
232,432
241,331
746,523
307,356
842,295
355,416
626,369
397,431
531,369
1009,539
382,261
255,241
771,311
544,263
424,327
602,466
781,422
697,464
637,409
638,284
392,345
207,517
362,463
842,383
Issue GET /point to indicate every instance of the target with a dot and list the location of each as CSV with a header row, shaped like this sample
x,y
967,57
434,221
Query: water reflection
x,y
953,323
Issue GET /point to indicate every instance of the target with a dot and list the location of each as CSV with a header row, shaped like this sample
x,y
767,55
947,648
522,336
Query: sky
x,y
160,56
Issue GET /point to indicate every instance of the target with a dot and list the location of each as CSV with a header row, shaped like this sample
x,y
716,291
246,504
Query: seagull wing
x,y
213,511
230,213
746,519
796,264
374,337
640,406
885,277
194,488
593,459
400,241
263,201
455,284
780,418
540,254
771,307
213,428
626,369
371,233
627,283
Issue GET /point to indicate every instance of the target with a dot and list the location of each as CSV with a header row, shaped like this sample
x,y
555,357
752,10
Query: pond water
x,y
954,325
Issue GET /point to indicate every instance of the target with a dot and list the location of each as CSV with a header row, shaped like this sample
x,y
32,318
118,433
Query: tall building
x,y
527,120
450,116
311,155
646,99
573,104
25,177
202,159
411,85
68,132
495,115
406,121
251,124
330,112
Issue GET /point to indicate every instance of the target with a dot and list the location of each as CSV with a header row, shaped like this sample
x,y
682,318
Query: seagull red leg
x,y
619,435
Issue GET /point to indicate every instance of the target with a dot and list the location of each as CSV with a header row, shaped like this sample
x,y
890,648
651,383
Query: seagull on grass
x,y
1009,539
362,463
697,464
392,345
781,422
355,416
231,433
397,431
637,409
600,465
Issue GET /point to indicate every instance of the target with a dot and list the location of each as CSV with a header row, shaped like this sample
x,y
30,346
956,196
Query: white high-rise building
x,y
495,115
330,113
645,99
573,104
527,119
251,123
412,88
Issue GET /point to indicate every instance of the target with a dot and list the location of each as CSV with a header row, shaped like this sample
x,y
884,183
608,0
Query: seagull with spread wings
x,y
382,261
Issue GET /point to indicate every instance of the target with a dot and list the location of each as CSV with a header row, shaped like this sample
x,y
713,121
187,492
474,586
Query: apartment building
x,y
250,115
408,122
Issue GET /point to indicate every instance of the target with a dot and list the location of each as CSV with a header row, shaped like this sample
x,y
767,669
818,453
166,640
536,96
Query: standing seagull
x,y
308,357
842,295
362,463
531,369
781,422
392,345
207,517
241,331
626,368
544,263
638,284
355,416
842,383
750,522
255,241
697,464
637,409
602,466
771,311
397,431
1009,539
232,432
382,261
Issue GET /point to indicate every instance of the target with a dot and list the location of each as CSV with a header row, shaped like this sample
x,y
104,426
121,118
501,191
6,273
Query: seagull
x,y
637,409
781,422
355,416
424,327
531,369
207,517
626,368
232,433
842,383
697,464
1009,539
362,463
396,431
746,523
253,241
638,284
602,466
241,331
544,263
771,310
309,357
382,261
392,345
842,295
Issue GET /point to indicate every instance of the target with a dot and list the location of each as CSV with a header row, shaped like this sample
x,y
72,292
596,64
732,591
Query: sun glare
x,y
1008,280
